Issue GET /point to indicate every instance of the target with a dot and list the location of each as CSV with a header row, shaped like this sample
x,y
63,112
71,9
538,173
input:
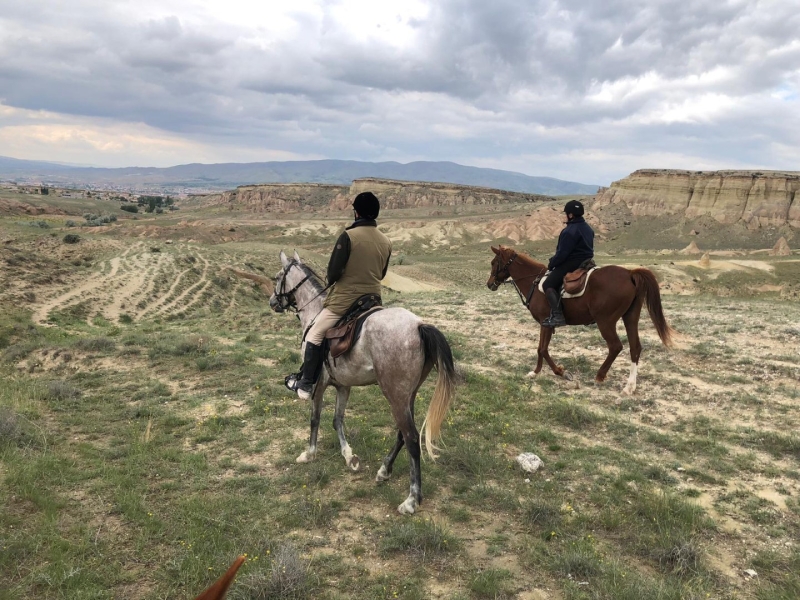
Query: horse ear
x,y
285,259
297,257
220,587
495,250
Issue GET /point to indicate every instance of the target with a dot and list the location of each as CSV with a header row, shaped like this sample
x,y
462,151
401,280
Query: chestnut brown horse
x,y
612,293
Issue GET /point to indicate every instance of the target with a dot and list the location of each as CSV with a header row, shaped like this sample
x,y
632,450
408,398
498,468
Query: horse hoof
x,y
305,457
409,507
383,474
532,374
628,391
354,463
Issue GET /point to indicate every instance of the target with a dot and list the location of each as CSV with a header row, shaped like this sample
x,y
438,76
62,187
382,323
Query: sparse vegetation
x,y
142,413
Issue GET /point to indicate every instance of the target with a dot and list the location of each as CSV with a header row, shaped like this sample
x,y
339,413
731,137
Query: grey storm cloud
x,y
497,73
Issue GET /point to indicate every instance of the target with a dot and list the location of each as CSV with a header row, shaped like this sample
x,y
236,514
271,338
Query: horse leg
x,y
411,439
316,411
385,472
608,329
545,334
342,395
631,320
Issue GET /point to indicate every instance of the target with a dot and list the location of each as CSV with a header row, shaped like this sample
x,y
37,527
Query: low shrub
x,y
71,238
95,344
62,390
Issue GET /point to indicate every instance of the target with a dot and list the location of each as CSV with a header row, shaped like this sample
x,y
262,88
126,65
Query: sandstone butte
x,y
291,197
758,198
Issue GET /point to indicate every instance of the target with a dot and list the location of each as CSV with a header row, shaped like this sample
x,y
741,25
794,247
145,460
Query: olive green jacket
x,y
358,263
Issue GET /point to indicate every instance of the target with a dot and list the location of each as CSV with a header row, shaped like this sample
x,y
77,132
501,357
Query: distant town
x,y
106,192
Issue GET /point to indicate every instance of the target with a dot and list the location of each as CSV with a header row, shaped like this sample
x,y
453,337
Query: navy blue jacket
x,y
575,242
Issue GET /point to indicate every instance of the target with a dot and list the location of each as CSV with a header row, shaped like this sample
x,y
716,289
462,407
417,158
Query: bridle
x,y
286,300
507,279
496,273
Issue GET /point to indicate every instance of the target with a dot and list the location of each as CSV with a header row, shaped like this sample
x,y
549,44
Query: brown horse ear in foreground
x,y
220,587
612,293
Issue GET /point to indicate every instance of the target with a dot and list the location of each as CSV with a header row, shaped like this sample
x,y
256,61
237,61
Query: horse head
x,y
503,257
282,297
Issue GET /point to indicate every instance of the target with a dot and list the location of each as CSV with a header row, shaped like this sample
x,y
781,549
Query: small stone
x,y
750,573
529,462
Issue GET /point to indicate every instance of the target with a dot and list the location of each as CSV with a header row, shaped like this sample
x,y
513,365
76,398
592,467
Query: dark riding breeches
x,y
556,277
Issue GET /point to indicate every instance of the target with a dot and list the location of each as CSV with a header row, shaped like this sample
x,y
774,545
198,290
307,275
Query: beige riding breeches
x,y
323,321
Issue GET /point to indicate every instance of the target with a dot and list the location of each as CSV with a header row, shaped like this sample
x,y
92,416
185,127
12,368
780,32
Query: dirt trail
x,y
137,282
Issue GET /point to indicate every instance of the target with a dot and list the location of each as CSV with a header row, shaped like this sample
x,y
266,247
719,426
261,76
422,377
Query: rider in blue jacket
x,y
575,245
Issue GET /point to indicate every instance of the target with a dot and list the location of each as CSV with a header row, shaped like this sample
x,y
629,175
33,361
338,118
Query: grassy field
x,y
146,438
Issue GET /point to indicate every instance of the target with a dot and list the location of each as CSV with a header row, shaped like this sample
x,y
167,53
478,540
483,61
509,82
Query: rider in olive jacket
x,y
358,263
575,245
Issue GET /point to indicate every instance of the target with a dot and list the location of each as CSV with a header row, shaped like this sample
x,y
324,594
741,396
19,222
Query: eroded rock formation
x,y
781,248
294,197
281,197
759,198
416,194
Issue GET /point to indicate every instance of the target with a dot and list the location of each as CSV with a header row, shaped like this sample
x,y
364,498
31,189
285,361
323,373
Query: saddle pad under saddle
x,y
340,339
565,294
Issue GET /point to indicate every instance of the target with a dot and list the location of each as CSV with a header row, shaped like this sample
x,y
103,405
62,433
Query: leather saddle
x,y
575,281
341,337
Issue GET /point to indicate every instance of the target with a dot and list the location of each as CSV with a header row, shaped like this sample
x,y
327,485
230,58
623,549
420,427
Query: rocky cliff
x,y
759,198
416,194
294,197
281,197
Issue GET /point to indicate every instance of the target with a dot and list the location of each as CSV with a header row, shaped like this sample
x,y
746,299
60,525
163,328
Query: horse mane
x,y
315,279
525,259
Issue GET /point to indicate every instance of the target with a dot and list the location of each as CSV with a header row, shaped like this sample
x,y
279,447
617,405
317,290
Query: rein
x,y
510,280
287,297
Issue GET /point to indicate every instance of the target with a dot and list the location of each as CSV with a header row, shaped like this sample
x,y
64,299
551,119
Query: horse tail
x,y
437,352
647,289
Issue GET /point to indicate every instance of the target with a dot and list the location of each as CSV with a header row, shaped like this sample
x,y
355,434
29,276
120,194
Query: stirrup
x,y
292,380
553,321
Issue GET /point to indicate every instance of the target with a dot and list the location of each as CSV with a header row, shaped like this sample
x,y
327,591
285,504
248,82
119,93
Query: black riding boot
x,y
312,361
556,318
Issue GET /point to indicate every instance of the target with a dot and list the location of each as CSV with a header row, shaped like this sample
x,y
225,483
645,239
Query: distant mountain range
x,y
229,175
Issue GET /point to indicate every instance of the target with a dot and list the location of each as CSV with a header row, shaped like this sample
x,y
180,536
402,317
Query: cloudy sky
x,y
576,89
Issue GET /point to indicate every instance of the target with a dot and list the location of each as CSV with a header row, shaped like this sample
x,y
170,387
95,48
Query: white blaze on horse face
x,y
630,387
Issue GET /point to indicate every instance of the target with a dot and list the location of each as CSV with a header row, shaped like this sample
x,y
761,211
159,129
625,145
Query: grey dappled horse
x,y
396,350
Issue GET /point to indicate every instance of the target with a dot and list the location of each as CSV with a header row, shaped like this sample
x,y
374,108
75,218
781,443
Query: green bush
x,y
131,208
71,238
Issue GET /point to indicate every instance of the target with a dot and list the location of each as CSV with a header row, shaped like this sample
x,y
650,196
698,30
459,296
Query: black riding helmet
x,y
367,205
574,207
